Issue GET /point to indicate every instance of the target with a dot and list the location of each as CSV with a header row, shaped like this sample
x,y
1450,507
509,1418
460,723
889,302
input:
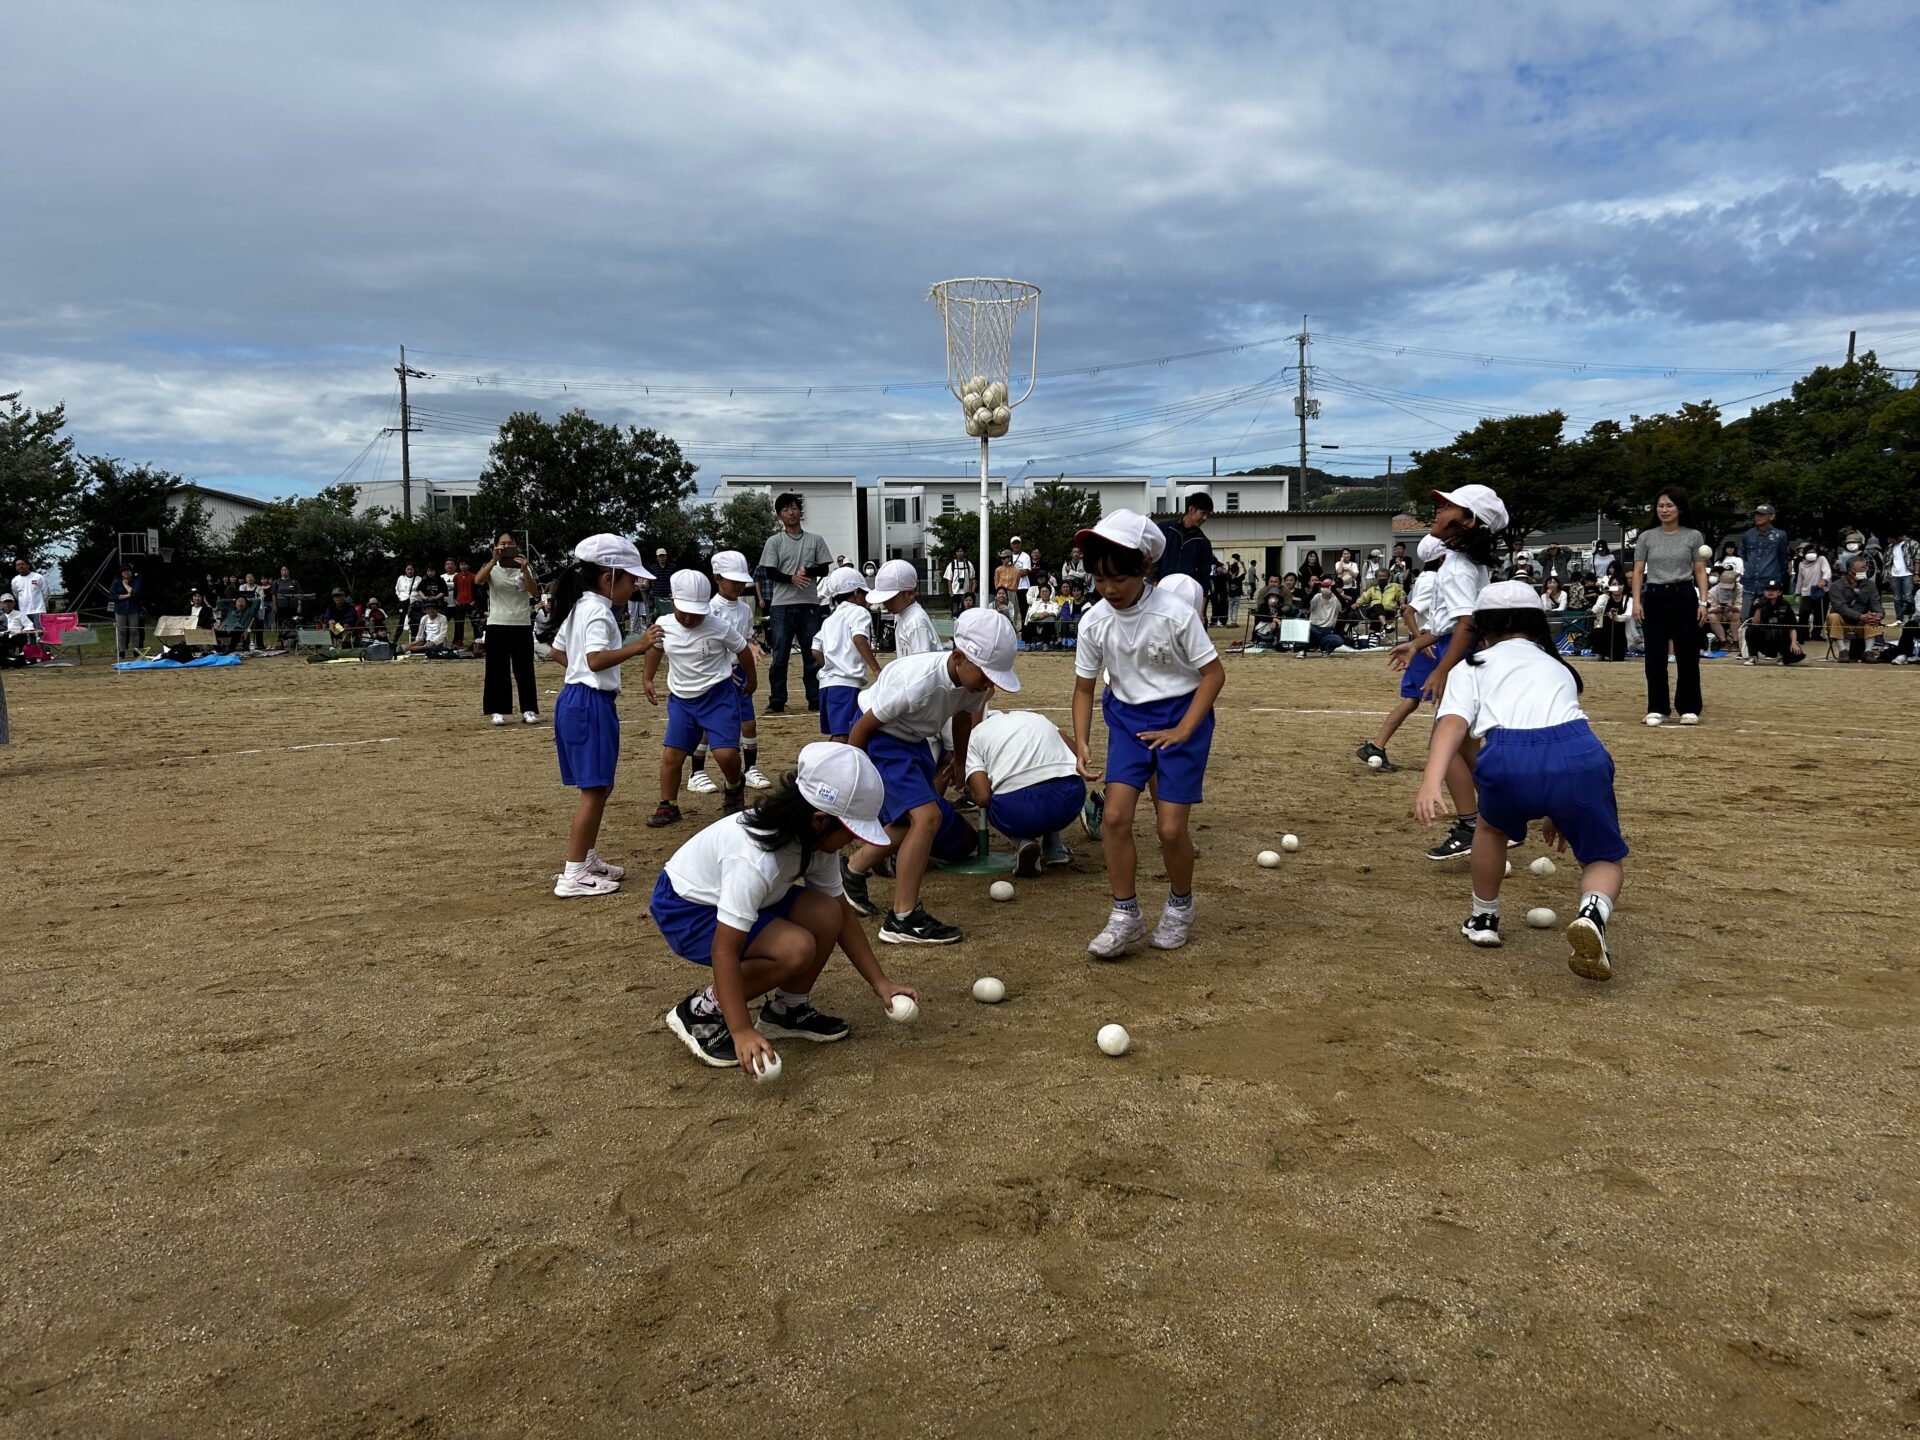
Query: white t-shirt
x,y
915,697
841,663
723,866
405,588
913,632
589,627
1023,562
1516,686
1152,651
737,615
1456,591
1420,597
699,656
30,593
1018,748
18,622
433,629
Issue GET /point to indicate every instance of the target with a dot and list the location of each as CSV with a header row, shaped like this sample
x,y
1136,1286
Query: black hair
x,y
1526,623
574,581
786,498
1476,543
785,817
1433,564
1200,500
1679,498
1111,559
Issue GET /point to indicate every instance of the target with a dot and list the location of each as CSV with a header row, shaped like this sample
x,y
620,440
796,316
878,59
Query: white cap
x,y
895,576
1480,501
1509,595
1185,587
841,781
731,565
1130,529
986,638
843,581
691,591
1430,549
612,552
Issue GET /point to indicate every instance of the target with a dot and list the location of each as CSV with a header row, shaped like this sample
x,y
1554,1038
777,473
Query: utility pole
x,y
1300,409
403,370
1852,335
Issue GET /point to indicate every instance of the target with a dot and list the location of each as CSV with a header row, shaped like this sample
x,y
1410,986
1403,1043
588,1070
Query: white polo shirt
x,y
840,660
589,628
913,632
1018,748
725,867
915,697
1456,591
1153,650
737,614
699,656
1515,686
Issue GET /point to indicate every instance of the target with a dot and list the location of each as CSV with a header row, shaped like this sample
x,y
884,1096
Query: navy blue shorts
x,y
956,840
1180,769
1036,810
1563,773
586,733
747,717
687,927
839,709
1414,678
906,770
714,715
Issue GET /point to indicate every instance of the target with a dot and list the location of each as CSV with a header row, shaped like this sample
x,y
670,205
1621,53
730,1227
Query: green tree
x,y
426,539
1520,456
1049,515
320,540
40,480
742,522
557,481
118,499
1825,457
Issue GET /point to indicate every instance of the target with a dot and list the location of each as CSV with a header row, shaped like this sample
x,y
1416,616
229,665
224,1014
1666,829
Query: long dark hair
x,y
1476,543
785,818
1490,627
574,581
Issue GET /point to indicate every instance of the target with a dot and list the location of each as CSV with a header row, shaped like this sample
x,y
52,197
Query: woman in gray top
x,y
1670,602
508,580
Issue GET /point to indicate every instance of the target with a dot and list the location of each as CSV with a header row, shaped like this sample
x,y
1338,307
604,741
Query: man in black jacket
x,y
1189,551
1773,629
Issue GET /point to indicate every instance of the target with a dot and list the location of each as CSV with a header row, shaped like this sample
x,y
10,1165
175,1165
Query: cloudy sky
x,y
223,220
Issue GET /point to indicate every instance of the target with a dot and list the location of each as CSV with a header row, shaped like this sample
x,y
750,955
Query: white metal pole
x,y
982,568
880,489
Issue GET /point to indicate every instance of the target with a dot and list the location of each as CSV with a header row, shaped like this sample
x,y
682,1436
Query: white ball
x,y
1542,918
1001,890
999,428
1374,762
983,417
1705,552
1289,843
989,991
1269,858
971,402
976,384
973,428
902,1008
1543,866
1001,414
1113,1040
770,1070
996,393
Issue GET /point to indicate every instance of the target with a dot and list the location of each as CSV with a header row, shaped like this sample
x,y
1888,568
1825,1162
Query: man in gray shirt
x,y
790,562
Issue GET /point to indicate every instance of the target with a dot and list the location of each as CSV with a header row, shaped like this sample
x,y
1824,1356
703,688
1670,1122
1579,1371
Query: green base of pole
x,y
984,861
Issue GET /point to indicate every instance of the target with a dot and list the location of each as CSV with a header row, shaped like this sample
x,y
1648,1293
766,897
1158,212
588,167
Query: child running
x,y
702,699
844,651
1163,678
902,711
894,590
732,580
756,897
1540,759
1022,771
1415,657
586,717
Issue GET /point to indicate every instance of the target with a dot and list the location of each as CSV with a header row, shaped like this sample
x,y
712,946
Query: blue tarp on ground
x,y
205,662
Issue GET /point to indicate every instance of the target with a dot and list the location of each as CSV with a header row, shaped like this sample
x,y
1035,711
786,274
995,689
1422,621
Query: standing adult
x,y
1189,551
792,560
286,604
960,579
1006,578
129,626
1555,563
407,598
1764,554
1023,563
461,591
1903,562
1670,602
507,578
29,589
1237,583
1811,579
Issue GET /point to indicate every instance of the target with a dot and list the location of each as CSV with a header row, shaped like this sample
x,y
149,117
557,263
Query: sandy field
x,y
323,1118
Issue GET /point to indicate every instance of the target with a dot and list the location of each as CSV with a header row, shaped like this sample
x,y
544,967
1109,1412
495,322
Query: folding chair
x,y
312,638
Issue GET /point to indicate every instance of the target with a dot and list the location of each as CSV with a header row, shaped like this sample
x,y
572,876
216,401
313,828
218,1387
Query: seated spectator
x,y
1380,603
1726,603
1610,615
1043,617
17,632
1323,618
342,618
1071,608
433,634
1853,609
374,620
1555,594
200,612
1003,604
1266,623
236,623
1773,629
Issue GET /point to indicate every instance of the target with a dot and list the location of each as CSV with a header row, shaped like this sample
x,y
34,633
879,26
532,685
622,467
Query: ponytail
x,y
1475,543
785,818
1490,627
574,581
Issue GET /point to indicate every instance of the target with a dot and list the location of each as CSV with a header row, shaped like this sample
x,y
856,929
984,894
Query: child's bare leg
x,y
670,762
1603,877
1460,787
864,857
1488,861
915,849
1116,840
1176,844
729,763
586,823
1396,717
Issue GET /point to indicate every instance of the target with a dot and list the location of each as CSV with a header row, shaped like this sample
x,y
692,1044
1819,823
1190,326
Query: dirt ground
x,y
323,1118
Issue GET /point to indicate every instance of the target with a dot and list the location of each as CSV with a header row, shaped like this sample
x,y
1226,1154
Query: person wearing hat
x,y
1773,628
757,898
1163,676
1023,774
1416,612
902,713
703,700
511,590
1539,760
1765,554
586,717
731,582
894,590
343,617
844,651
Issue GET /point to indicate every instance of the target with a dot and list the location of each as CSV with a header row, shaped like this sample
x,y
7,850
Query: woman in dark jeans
x,y
1670,602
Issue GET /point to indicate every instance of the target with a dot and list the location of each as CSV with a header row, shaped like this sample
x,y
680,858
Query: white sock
x,y
1600,903
787,1000
1486,907
574,867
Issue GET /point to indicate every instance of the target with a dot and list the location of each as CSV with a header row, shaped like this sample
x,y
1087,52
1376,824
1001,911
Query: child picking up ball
x,y
1414,658
1022,771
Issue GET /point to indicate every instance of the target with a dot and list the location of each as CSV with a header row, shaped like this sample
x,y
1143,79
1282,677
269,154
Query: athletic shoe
x,y
1174,929
1750,661
1514,842
1092,812
605,869
583,882
1481,930
1457,845
1121,931
779,709
1654,718
1587,936
499,719
702,784
1365,756
1689,719
1026,861
529,717
734,800
803,1022
917,927
854,887
757,781
663,814
706,1036
1054,851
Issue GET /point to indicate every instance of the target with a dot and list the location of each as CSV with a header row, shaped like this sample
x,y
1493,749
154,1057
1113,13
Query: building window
x,y
455,505
1233,499
948,506
896,510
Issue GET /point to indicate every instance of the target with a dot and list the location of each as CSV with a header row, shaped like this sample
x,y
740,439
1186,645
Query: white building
x,y
1231,493
223,509
900,510
430,497
831,504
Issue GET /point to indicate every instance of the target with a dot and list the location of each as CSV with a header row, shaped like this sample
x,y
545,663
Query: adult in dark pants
x,y
1670,602
1855,603
1765,554
507,578
129,626
1773,629
791,560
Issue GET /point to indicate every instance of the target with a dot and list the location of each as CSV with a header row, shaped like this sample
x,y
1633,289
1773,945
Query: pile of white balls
x,y
985,404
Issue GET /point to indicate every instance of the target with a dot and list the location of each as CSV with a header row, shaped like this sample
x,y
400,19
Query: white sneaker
x,y
1749,661
702,784
1174,929
1653,719
1689,719
584,883
499,719
1122,930
757,781
605,869
529,717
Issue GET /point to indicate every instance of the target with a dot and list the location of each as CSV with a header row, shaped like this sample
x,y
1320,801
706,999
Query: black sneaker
x,y
1026,862
1587,937
1481,929
1459,843
733,799
917,927
1092,813
663,814
855,888
706,1036
1365,756
779,707
803,1023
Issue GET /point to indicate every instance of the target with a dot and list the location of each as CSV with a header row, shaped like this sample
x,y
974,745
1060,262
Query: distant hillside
x,y
1340,492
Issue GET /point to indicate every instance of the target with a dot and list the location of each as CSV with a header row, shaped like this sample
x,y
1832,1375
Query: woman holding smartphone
x,y
507,577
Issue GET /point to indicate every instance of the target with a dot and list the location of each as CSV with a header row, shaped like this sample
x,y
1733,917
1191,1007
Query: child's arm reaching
x,y
646,678
1457,650
730,990
645,643
1213,676
1448,733
865,647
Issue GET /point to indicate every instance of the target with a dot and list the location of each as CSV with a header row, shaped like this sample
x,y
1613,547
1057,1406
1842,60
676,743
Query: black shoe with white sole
x,y
1366,754
1587,939
801,1023
706,1036
917,927
854,886
1481,929
1457,845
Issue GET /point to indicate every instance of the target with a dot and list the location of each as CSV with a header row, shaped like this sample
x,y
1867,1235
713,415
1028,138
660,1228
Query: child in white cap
x,y
843,649
732,583
894,590
756,897
702,699
1414,657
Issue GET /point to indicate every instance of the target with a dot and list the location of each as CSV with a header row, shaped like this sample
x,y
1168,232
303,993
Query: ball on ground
x,y
1289,843
1269,858
1542,918
989,991
1001,890
1113,1040
1374,762
770,1070
902,1008
1543,866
